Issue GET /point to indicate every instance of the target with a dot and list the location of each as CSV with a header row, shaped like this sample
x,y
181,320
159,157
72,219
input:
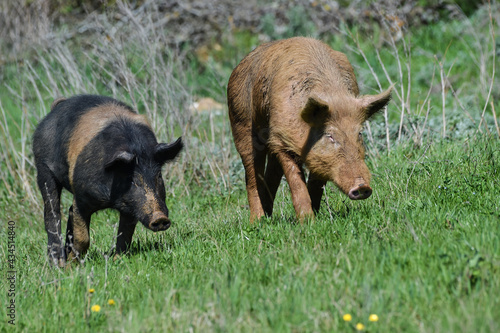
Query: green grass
x,y
423,253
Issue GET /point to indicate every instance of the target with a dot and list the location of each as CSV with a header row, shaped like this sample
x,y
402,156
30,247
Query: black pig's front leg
x,y
77,235
126,230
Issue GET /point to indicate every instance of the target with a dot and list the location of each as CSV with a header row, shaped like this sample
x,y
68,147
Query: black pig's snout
x,y
159,222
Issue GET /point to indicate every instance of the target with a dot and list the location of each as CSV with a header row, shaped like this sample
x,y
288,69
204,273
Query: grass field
x,y
422,253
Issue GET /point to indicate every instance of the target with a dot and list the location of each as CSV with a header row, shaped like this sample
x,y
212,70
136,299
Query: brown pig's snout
x,y
360,192
159,221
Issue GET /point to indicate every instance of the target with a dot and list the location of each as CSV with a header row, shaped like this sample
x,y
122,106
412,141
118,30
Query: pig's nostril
x,y
160,224
360,192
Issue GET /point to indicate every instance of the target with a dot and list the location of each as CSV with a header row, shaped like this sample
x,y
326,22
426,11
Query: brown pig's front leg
x,y
295,178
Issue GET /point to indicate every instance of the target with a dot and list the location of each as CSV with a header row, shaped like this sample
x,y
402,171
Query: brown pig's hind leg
x,y
273,176
254,163
315,187
254,172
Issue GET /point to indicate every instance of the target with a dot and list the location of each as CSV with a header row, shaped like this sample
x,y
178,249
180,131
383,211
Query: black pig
x,y
107,155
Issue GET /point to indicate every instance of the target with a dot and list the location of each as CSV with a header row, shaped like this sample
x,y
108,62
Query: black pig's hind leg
x,y
51,193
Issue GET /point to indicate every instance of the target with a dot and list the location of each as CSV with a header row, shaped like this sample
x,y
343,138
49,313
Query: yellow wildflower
x,y
95,308
111,302
91,290
347,317
373,317
360,326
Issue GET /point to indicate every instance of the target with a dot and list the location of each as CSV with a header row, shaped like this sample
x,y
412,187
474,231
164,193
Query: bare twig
x,y
413,169
495,118
443,94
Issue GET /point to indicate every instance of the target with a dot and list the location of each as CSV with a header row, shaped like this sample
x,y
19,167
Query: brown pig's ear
x,y
165,152
373,103
315,112
120,158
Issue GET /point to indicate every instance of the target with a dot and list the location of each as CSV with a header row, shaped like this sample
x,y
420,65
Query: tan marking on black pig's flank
x,y
91,124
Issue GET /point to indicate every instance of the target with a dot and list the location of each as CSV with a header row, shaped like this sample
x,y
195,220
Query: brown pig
x,y
293,102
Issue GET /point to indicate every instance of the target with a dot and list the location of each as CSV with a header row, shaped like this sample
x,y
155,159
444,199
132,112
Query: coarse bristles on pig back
x,y
296,102
107,155
95,120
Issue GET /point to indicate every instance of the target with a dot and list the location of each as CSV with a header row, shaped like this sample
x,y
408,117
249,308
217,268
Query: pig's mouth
x,y
360,192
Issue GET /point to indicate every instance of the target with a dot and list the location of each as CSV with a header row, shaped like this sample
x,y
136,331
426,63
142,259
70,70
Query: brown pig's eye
x,y
330,137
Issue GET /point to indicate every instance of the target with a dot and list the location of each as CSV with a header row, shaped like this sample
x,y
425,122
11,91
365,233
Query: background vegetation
x,y
423,253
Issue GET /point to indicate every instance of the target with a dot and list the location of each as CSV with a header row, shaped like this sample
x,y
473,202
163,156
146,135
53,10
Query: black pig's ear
x,y
165,152
315,112
120,158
